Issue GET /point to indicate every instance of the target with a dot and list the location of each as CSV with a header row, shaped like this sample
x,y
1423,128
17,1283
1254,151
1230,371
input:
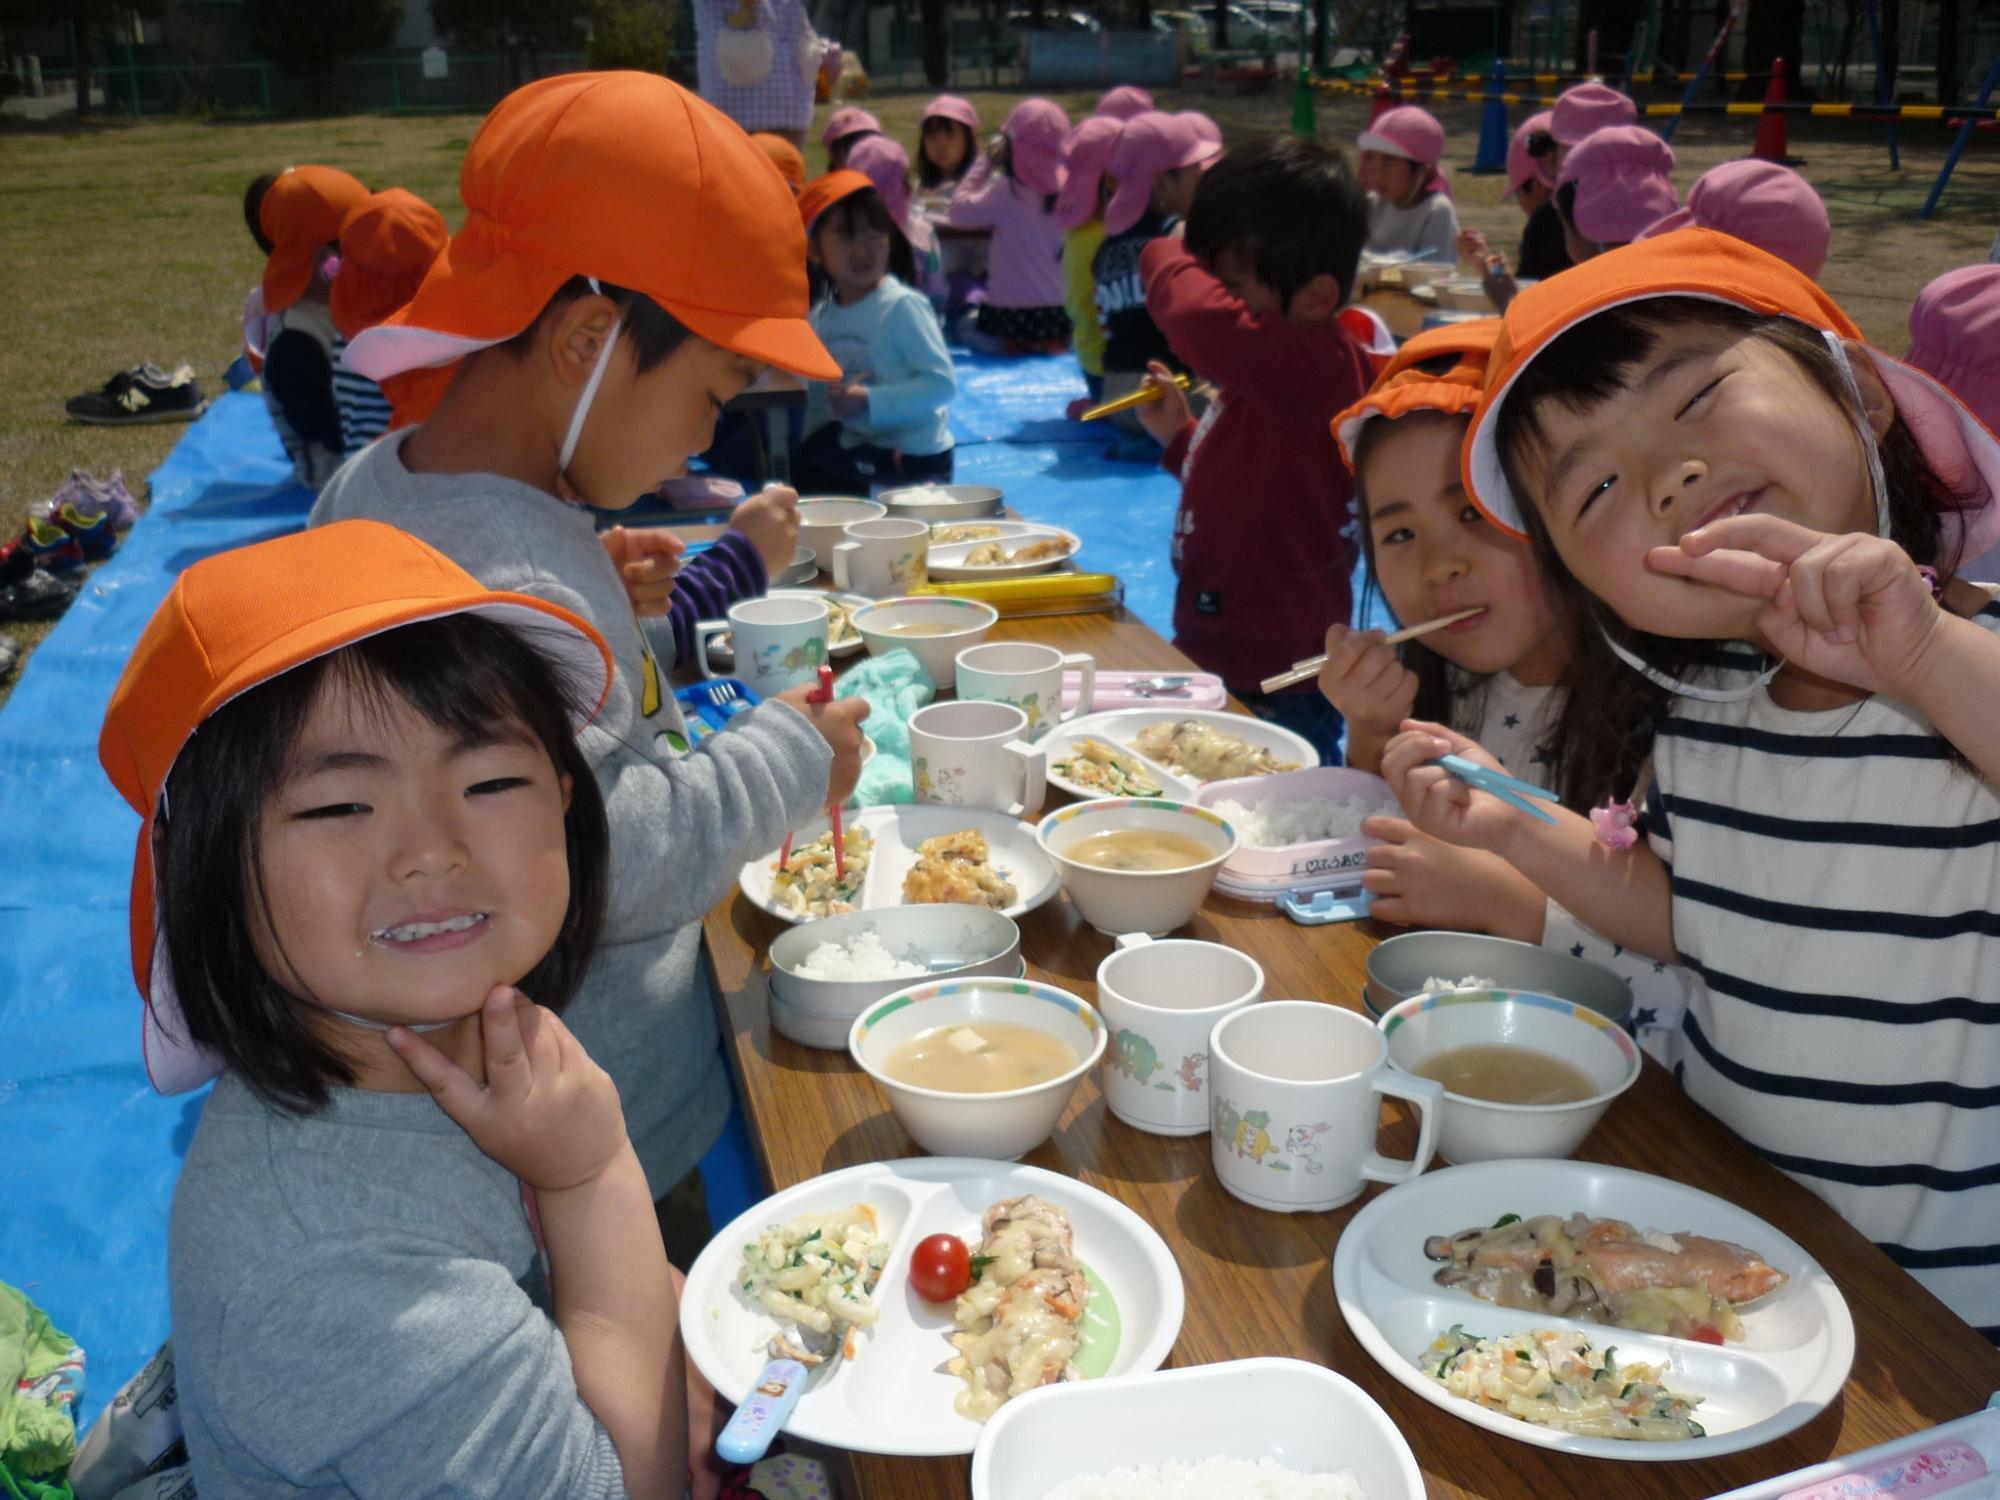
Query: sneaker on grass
x,y
50,546
89,495
144,393
28,591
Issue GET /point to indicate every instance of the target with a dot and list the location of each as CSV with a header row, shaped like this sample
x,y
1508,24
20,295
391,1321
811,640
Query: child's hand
x,y
548,1114
1437,802
1367,682
1420,882
1163,419
848,400
647,560
1472,246
1853,607
769,521
839,723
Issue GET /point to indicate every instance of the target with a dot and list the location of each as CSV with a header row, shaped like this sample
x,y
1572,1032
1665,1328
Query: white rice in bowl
x,y
1239,1479
863,956
1305,820
1436,986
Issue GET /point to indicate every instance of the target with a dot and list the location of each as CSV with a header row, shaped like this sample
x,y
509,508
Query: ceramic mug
x,y
882,558
1029,676
973,755
780,641
1295,1094
1160,1000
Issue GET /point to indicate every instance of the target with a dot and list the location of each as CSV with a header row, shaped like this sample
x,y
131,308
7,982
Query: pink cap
x,y
1149,144
884,162
1955,337
1208,129
1086,151
1411,133
1588,108
849,119
1523,168
1124,102
951,107
1622,186
1035,132
1767,204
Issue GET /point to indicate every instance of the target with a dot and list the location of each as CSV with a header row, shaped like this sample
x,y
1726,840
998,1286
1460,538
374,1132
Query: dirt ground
x,y
126,242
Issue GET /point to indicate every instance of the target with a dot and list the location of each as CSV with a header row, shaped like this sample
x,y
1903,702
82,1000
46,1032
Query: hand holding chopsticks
x,y
1146,395
823,693
1300,671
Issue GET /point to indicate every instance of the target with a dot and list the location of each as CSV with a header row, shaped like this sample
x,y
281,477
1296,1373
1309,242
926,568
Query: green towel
x,y
895,686
41,1379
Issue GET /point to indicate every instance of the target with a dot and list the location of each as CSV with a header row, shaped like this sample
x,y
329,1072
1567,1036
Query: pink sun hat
x,y
952,107
1622,183
1588,108
1035,132
850,119
1086,153
1771,206
884,162
1150,144
1124,102
1955,337
1204,126
1412,133
1522,167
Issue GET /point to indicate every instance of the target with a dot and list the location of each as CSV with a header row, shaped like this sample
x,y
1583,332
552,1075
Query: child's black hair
x,y
838,148
1611,713
253,207
929,174
462,673
654,333
868,209
1288,206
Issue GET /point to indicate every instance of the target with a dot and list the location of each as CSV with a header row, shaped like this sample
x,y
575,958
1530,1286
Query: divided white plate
x,y
722,647
895,1395
1121,726
1797,1347
897,832
947,560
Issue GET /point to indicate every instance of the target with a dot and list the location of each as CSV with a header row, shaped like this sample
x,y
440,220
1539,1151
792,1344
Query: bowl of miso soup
x,y
980,1067
1523,1074
932,626
1137,864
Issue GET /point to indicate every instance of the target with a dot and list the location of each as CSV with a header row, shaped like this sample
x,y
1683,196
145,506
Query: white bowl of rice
x,y
1298,825
826,973
1248,1429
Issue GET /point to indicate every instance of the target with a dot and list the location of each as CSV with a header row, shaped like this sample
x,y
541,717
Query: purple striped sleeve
x,y
709,583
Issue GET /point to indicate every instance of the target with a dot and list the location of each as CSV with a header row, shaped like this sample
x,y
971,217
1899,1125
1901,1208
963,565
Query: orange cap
x,y
301,211
1404,386
387,243
823,192
627,178
784,156
414,394
243,617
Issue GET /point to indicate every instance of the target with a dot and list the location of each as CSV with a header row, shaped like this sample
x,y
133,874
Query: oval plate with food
x,y
1026,551
722,648
895,836
1098,755
893,1393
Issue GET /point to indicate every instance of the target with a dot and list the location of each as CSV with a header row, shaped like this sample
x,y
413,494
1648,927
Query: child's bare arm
x,y
1623,894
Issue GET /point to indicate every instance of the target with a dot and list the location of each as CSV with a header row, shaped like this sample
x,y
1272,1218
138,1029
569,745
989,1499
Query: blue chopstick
x,y
1499,784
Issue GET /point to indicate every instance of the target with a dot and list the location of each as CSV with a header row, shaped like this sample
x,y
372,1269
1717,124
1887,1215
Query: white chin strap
x,y
1674,685
367,1025
589,392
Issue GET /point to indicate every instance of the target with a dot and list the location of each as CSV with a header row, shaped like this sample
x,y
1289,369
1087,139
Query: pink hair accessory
x,y
1616,824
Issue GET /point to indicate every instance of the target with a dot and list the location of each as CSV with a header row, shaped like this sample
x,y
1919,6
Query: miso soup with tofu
x,y
983,1057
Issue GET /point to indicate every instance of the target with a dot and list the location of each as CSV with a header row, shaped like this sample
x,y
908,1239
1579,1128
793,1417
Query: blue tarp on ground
x,y
90,1152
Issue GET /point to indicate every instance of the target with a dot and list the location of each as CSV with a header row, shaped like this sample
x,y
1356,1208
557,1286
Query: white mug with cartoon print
x,y
1030,677
1160,999
882,558
1294,1101
779,641
973,755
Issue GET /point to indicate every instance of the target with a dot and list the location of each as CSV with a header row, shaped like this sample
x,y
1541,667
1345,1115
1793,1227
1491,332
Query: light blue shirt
x,y
890,341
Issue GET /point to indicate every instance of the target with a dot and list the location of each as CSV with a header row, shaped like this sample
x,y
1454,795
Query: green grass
x,y
126,242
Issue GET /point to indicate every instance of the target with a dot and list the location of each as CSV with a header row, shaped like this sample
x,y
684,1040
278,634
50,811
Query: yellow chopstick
x,y
1311,667
1146,395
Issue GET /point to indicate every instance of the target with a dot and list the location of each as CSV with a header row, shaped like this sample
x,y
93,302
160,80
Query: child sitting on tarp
x,y
387,244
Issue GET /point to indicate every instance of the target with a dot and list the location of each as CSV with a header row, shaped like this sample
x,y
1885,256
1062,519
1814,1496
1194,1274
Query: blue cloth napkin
x,y
894,686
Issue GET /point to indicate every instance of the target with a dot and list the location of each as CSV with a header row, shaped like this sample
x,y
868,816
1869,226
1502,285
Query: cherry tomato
x,y
940,1267
1707,1333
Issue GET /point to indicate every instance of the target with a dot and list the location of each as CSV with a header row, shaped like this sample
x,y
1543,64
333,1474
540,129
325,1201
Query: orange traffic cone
x,y
1770,145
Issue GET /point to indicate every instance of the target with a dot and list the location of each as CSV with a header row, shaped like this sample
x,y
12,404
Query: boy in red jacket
x,y
1265,542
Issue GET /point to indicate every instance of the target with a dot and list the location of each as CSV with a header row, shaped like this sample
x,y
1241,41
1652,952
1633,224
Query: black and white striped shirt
x,y
1835,877
364,410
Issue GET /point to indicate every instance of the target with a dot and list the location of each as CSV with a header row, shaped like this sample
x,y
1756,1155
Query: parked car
x,y
1055,20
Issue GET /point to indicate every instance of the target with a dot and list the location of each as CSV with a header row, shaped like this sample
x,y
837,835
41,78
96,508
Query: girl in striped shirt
x,y
1760,517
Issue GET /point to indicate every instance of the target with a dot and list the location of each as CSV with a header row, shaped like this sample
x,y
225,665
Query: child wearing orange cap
x,y
1759,519
884,421
1498,677
370,876
599,340
387,244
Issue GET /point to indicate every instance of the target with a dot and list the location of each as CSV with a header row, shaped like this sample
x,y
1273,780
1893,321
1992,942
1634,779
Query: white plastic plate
x,y
895,1395
947,560
1119,727
1797,1346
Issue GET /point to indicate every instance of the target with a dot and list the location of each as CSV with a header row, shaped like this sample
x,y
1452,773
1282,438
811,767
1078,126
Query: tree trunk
x,y
1673,43
1221,25
1891,14
1948,64
937,43
1613,21
1321,24
80,29
1773,29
